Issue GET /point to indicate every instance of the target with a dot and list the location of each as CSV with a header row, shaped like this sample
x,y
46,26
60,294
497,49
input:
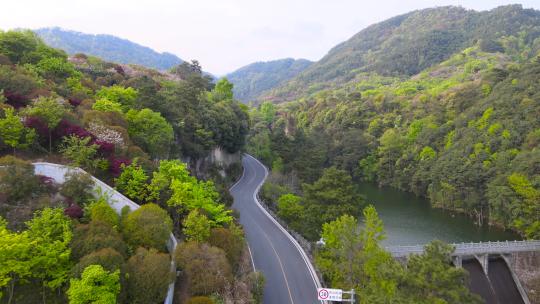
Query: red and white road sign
x,y
328,294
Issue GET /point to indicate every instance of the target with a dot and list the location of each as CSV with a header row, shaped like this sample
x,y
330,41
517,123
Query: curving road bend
x,y
290,277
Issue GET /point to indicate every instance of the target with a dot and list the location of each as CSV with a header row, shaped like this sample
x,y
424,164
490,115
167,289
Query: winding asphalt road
x,y
290,277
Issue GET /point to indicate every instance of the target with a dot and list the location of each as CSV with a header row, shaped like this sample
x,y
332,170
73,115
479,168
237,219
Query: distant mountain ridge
x,y
407,44
253,79
107,47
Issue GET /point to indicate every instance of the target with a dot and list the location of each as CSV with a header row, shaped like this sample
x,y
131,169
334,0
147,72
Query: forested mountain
x,y
441,102
130,127
463,132
251,80
407,44
107,47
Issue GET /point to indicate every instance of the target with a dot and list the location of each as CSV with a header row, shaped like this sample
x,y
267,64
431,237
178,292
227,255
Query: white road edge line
x,y
252,260
289,236
240,179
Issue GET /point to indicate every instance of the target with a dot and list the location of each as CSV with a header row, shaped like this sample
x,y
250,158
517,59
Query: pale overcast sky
x,y
224,34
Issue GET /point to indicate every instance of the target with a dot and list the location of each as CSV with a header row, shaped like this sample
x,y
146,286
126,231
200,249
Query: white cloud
x,y
223,34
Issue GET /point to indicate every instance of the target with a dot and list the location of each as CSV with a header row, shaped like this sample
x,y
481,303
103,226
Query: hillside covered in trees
x,y
405,45
130,127
460,128
250,81
443,103
107,47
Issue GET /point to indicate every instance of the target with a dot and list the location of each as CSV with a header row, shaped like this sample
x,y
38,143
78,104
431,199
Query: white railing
x,y
114,198
498,247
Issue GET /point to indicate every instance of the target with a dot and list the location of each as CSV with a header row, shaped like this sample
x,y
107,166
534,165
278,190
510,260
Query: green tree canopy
x,y
17,179
329,197
80,151
101,211
149,275
196,227
340,256
96,285
268,111
380,273
110,259
193,194
222,91
95,236
151,131
187,193
56,68
13,133
132,182
149,226
529,221
291,210
431,277
124,96
51,232
106,105
16,261
168,171
78,186
206,267
231,240
50,110
353,258
24,46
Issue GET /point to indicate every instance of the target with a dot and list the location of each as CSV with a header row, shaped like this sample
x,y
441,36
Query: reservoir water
x,y
410,220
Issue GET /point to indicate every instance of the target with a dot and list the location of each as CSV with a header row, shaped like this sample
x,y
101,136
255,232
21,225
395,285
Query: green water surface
x,y
410,220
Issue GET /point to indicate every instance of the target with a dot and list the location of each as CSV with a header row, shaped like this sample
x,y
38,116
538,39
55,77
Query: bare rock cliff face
x,y
218,158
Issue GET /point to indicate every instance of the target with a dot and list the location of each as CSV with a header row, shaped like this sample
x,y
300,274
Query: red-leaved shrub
x,y
115,165
38,125
46,180
48,183
74,211
106,149
75,102
16,100
67,128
